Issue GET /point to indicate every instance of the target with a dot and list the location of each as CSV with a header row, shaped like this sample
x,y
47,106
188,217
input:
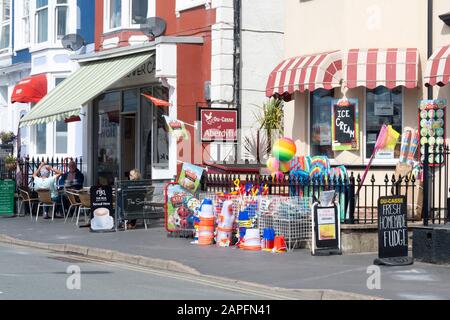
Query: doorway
x,y
128,145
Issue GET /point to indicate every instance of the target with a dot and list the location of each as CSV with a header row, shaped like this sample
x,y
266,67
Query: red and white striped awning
x,y
308,72
381,67
438,68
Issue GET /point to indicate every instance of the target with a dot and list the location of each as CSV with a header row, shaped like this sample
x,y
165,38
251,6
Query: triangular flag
x,y
156,101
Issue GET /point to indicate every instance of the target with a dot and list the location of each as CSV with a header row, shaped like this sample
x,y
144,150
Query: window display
x,y
321,101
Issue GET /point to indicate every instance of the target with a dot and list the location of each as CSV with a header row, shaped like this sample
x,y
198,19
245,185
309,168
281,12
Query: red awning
x,y
31,89
308,72
438,68
156,101
390,68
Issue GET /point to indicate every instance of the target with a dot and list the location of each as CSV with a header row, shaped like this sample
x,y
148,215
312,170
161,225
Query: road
x,y
30,274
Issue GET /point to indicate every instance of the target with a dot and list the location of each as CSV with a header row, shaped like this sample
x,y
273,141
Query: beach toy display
x,y
432,128
279,244
284,149
268,240
273,164
225,224
206,224
252,240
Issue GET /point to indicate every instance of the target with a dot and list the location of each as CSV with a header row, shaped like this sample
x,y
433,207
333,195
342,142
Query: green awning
x,y
83,85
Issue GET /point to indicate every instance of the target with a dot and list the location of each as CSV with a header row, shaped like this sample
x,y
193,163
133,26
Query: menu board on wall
x,y
432,129
7,189
345,125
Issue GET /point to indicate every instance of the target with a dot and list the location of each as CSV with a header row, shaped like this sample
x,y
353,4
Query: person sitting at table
x,y
43,181
73,179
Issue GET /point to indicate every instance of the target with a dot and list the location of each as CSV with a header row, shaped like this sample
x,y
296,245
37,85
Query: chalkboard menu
x,y
345,125
136,197
7,190
392,227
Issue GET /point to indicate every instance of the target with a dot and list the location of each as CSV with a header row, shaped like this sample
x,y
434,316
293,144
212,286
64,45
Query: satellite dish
x,y
73,42
154,26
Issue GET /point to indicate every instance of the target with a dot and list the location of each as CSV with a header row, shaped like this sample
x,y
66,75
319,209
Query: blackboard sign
x,y
326,230
136,198
345,127
392,227
7,190
101,208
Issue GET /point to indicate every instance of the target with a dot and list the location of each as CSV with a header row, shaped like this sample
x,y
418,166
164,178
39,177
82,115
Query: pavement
x,y
347,276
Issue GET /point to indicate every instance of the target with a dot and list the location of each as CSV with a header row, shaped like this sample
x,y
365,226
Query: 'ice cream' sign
x,y
345,126
218,124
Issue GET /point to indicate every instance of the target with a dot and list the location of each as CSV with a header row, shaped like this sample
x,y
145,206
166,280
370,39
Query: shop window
x,y
130,101
41,20
320,117
161,136
108,137
41,138
139,11
61,137
5,23
383,106
62,10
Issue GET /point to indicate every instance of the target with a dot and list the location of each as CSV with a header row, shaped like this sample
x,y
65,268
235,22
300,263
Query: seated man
x,y
73,179
43,181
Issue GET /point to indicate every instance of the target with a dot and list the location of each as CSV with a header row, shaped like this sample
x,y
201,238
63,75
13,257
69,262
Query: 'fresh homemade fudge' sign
x,y
345,127
392,227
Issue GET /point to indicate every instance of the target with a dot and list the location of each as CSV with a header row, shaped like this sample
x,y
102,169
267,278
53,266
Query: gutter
x,y
430,39
134,49
237,67
15,68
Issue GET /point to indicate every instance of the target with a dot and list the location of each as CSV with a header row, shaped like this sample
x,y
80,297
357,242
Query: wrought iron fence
x,y
358,208
24,168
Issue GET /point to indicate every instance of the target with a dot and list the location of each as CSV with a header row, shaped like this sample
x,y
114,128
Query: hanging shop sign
x,y
177,128
432,129
218,124
326,235
392,231
7,190
190,177
345,125
101,208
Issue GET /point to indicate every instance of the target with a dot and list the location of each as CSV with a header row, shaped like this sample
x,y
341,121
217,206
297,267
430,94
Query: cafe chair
x,y
45,200
74,204
85,200
24,197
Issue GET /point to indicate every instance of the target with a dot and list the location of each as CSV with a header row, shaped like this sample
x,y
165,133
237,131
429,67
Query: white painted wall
x,y
262,48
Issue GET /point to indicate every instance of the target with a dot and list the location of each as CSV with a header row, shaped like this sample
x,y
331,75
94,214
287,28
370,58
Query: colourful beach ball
x,y
273,164
284,149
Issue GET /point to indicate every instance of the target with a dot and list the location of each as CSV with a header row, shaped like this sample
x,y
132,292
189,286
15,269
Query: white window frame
x,y
106,20
36,22
20,23
182,5
366,157
53,129
151,12
5,24
55,24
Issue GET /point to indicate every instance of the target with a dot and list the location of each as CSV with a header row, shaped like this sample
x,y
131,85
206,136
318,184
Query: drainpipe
x,y
430,39
237,68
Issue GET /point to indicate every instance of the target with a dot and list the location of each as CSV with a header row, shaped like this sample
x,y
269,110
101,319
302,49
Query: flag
x,y
156,101
177,128
387,138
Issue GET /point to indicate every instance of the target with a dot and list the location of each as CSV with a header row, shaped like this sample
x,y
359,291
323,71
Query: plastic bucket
x,y
279,244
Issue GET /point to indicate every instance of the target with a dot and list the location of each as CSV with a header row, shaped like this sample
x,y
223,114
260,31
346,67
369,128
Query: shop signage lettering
x,y
144,69
7,189
136,197
218,124
345,126
392,227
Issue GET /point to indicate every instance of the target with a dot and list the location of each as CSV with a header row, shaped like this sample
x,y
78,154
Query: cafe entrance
x,y
129,132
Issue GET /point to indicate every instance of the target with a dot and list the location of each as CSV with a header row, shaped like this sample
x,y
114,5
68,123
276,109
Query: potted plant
x,y
7,137
270,119
10,163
